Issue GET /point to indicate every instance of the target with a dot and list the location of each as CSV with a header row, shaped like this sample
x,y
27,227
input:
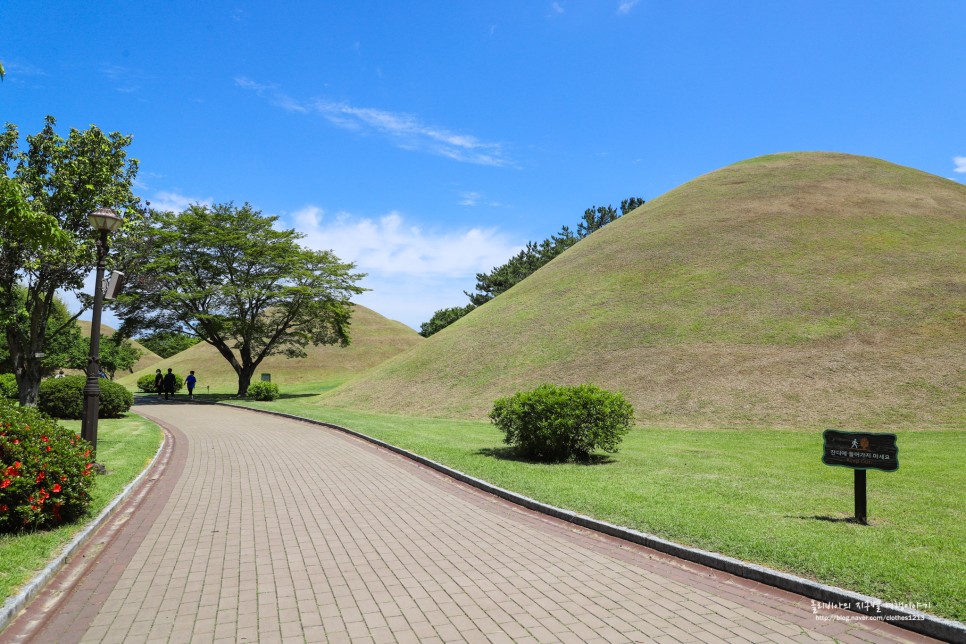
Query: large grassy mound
x,y
793,290
374,339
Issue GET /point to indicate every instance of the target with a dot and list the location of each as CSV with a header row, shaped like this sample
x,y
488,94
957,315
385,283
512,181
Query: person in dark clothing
x,y
158,382
169,384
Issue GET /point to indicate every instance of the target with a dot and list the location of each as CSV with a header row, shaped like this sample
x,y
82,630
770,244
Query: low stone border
x,y
12,607
913,620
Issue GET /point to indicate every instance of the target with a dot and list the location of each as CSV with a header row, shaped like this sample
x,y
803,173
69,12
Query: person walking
x,y
190,383
158,382
169,384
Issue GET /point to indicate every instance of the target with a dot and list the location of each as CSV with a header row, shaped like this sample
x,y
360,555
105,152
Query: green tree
x,y
595,218
443,318
520,266
169,343
116,354
63,335
46,243
630,204
226,275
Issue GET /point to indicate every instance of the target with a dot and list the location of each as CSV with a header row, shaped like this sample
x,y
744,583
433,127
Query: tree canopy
x,y
443,318
47,244
169,343
115,354
227,275
61,342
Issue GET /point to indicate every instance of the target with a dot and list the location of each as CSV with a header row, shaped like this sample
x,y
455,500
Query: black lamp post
x,y
104,220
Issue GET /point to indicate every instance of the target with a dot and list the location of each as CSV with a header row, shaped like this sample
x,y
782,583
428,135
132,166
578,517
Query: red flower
x,y
49,448
5,483
43,439
56,488
40,477
3,508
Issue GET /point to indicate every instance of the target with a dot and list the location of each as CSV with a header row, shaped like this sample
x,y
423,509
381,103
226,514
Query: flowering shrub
x,y
45,470
557,424
262,391
146,383
64,397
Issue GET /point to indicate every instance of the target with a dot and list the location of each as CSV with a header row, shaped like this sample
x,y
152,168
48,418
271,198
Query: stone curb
x,y
913,620
12,607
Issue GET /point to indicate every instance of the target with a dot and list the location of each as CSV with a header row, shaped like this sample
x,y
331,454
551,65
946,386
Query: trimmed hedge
x,y
64,397
556,424
146,383
45,470
262,391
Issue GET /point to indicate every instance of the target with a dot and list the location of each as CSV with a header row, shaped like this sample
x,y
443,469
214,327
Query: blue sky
x,y
428,141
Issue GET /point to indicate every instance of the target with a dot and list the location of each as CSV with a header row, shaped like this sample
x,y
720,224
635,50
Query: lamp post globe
x,y
103,220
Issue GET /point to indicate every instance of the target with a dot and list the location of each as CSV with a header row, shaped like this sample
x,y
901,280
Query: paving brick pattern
x,y
271,530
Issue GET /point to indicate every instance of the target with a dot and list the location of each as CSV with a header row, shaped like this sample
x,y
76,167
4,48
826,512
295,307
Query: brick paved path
x,y
265,529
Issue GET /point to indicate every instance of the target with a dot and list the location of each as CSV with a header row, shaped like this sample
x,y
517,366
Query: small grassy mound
x,y
374,339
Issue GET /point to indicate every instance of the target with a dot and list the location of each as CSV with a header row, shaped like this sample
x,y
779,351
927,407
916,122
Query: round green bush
x,y
556,424
45,470
146,383
64,397
8,386
262,391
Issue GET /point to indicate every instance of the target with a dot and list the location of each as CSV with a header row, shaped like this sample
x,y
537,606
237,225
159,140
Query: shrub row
x,y
64,397
146,383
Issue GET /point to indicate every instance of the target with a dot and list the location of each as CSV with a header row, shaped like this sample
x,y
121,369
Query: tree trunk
x,y
29,383
244,381
26,368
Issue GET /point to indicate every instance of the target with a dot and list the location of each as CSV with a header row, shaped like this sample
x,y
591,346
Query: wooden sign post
x,y
861,451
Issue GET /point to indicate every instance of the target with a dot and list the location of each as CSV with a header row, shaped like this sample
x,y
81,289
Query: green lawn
x,y
759,495
125,446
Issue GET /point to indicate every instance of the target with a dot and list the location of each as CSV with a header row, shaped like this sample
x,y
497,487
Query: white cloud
x,y
960,163
557,7
174,202
470,198
412,271
405,130
391,245
626,5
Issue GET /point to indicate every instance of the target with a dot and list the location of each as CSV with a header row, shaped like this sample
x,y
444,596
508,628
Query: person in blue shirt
x,y
190,383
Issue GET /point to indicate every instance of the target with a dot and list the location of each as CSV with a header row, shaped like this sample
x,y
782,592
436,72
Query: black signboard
x,y
861,451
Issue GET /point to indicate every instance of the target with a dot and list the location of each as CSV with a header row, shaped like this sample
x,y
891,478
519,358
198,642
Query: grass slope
x,y
148,357
805,289
374,339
